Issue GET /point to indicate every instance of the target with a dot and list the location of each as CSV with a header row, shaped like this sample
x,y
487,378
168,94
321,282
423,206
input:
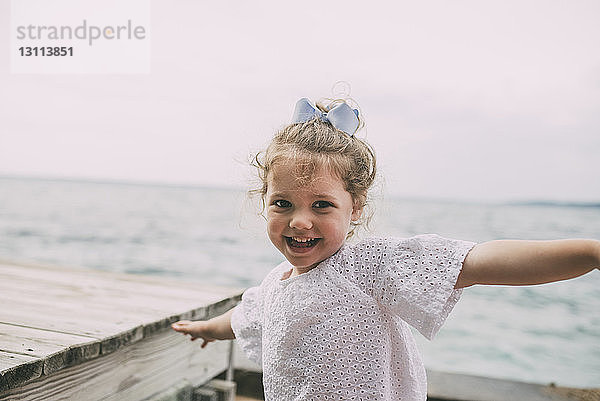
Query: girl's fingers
x,y
182,327
177,326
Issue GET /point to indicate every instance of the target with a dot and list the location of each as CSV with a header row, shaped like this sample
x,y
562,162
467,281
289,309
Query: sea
x,y
541,334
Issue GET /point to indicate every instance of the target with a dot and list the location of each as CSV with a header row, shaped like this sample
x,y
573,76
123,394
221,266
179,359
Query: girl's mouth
x,y
297,242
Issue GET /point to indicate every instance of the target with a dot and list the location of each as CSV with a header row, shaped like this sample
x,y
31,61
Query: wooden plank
x,y
55,319
115,284
98,323
85,309
454,386
17,369
56,350
82,302
35,342
145,306
104,284
180,391
66,318
144,368
95,292
212,310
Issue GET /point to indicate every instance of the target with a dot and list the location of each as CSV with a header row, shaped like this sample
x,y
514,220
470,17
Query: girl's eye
x,y
282,203
321,204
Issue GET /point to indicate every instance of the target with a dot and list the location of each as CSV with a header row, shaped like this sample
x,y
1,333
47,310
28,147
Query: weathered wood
x,y
56,350
115,288
55,320
18,369
136,372
35,342
453,386
69,318
180,391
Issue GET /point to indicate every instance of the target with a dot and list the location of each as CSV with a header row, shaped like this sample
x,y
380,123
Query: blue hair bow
x,y
341,116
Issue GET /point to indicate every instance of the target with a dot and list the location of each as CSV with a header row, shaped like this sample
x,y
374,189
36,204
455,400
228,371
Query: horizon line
x,y
529,201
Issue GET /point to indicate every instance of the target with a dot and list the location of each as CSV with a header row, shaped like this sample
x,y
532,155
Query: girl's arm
x,y
512,262
217,328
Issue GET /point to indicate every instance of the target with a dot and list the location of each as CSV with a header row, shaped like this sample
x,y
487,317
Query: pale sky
x,y
463,99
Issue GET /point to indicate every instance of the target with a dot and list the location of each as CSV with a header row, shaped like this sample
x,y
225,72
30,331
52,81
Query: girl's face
x,y
307,223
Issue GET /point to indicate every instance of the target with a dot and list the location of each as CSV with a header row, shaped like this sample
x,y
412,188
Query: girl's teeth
x,y
302,239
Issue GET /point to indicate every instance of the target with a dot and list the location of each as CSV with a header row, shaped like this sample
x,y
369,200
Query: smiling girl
x,y
332,321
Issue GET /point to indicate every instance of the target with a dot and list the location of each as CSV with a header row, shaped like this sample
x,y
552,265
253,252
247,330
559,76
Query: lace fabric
x,y
341,331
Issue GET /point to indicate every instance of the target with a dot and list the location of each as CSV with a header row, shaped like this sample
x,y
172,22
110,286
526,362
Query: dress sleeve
x,y
246,323
413,278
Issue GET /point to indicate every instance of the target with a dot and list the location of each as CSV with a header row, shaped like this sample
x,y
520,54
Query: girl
x,y
332,321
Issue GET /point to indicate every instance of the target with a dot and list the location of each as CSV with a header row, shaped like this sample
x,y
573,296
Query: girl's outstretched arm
x,y
217,328
512,262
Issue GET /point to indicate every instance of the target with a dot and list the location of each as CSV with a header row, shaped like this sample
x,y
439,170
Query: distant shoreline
x,y
408,198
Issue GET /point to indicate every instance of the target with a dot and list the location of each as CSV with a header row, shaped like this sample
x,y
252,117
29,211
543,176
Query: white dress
x,y
340,331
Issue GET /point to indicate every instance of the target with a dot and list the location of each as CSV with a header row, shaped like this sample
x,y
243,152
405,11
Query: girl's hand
x,y
217,328
196,329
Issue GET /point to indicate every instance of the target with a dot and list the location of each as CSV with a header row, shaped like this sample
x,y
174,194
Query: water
x,y
548,333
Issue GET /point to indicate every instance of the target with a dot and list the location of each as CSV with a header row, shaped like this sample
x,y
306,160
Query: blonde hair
x,y
316,144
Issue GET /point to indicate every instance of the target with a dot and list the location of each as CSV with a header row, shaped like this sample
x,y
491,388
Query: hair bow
x,y
341,116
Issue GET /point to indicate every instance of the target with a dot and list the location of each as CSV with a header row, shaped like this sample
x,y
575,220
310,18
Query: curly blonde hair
x,y
316,144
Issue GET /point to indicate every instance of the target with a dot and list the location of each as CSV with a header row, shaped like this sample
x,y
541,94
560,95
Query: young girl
x,y
332,321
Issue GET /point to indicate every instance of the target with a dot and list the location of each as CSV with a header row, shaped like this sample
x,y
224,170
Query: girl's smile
x,y
308,222
301,244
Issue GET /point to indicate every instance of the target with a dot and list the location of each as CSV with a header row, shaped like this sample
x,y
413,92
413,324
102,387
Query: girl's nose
x,y
301,221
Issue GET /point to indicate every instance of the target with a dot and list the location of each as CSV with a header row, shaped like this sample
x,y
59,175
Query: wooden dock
x,y
76,334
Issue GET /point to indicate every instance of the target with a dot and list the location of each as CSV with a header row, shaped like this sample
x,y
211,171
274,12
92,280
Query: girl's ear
x,y
356,211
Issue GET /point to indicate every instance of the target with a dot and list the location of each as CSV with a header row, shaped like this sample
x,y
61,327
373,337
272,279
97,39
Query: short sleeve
x,y
246,323
413,278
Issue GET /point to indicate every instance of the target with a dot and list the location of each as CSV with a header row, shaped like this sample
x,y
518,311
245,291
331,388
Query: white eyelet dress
x,y
340,331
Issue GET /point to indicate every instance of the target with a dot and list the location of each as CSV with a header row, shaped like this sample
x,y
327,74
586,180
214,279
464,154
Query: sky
x,y
462,100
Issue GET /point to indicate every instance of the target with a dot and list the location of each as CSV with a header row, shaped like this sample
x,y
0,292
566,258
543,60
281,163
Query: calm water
x,y
539,334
